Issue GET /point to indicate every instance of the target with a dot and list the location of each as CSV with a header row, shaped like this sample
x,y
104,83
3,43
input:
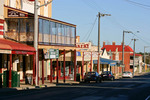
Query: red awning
x,y
16,48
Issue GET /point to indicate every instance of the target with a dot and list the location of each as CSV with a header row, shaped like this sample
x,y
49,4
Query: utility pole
x,y
123,48
145,56
134,55
100,15
36,7
36,38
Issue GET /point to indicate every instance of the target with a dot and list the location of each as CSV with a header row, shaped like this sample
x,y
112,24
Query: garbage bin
x,y
15,79
78,77
1,80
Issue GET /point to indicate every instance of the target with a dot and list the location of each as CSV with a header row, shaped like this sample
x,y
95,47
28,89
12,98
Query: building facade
x,y
17,19
116,52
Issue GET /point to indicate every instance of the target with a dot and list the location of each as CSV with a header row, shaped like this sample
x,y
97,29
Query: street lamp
x,y
99,15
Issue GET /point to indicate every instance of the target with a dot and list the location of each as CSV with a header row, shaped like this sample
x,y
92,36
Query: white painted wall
x,y
105,55
2,9
13,3
28,6
46,9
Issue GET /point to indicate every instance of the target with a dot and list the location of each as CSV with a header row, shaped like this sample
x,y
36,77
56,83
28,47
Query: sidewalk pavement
x,y
143,73
46,84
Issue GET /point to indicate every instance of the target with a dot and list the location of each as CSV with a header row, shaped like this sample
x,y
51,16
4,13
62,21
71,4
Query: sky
x,y
128,15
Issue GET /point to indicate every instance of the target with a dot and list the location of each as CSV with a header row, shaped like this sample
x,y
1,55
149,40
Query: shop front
x,y
52,34
14,57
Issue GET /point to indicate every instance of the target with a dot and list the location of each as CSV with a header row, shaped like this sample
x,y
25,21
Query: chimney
x,y
103,43
113,43
77,39
121,43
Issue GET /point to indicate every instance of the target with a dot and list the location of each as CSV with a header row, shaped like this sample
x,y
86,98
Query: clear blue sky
x,y
125,15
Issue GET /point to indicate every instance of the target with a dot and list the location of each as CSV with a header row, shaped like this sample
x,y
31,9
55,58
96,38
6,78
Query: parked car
x,y
127,74
107,75
92,76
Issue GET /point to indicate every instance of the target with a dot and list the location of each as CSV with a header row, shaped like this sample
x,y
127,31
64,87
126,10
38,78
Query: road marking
x,y
147,97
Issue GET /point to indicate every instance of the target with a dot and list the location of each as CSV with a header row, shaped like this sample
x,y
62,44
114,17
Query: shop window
x,y
11,30
53,34
72,35
63,34
59,34
40,31
46,35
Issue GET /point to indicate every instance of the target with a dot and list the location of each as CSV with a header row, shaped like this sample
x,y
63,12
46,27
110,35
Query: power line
x,y
142,39
138,3
91,30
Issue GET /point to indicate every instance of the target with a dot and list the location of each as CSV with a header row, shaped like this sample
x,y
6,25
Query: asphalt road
x,y
137,88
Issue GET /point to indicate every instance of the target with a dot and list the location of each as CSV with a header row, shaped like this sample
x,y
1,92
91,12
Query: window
x,y
46,35
54,33
40,31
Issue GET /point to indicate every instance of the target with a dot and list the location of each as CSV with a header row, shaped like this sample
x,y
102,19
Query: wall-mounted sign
x,y
12,13
51,54
82,45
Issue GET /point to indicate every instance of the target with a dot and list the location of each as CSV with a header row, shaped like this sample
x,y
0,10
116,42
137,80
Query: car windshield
x,y
106,72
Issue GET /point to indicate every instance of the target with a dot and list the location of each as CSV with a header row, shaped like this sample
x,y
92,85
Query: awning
x,y
16,48
106,61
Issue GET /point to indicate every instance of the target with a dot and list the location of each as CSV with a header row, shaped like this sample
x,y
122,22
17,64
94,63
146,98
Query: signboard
x,y
12,13
54,53
85,45
51,54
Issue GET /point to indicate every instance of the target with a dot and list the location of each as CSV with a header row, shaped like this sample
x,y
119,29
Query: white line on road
x,y
147,98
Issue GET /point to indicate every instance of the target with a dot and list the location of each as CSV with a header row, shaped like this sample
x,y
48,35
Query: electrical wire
x,y
91,29
138,4
96,7
89,32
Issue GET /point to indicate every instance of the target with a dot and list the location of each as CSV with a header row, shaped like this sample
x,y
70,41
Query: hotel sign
x,y
12,13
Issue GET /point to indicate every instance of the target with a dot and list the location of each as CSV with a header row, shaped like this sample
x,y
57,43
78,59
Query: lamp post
x,y
123,48
36,7
99,15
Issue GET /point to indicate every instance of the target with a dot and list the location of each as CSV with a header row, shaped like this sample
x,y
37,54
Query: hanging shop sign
x,y
54,53
51,53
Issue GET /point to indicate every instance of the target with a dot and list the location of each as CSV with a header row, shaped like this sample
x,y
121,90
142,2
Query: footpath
x,y
25,87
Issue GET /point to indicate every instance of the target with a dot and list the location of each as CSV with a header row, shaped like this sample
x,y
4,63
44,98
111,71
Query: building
x,y
116,54
87,58
55,39
138,62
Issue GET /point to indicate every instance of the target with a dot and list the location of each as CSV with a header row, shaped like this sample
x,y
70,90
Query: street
x,y
122,89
